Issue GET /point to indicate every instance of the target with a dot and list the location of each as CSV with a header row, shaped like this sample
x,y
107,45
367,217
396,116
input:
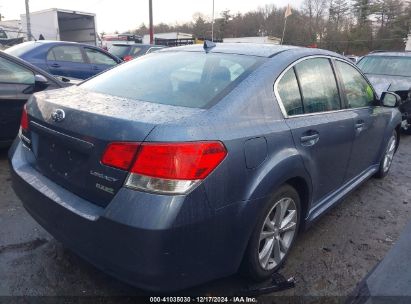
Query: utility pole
x,y
212,25
28,21
150,8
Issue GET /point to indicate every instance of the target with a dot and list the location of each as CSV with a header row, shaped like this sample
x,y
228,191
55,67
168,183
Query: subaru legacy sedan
x,y
193,163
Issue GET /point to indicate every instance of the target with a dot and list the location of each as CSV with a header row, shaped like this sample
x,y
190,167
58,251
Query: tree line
x,y
345,26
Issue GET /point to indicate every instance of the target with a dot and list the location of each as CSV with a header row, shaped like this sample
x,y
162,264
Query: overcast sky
x,y
123,15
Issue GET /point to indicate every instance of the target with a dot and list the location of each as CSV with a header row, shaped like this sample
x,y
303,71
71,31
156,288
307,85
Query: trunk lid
x,y
68,148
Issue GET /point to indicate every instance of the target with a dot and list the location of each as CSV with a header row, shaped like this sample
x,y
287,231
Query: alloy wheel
x,y
389,153
277,233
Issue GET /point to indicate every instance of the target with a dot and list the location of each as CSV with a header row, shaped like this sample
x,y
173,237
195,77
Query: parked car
x,y
18,80
175,170
128,52
69,59
391,71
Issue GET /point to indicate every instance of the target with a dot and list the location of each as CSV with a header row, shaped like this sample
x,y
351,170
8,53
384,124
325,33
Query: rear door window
x,y
66,53
318,85
97,57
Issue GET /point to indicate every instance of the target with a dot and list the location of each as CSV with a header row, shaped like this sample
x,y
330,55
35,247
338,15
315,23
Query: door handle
x,y
55,65
359,125
96,68
310,140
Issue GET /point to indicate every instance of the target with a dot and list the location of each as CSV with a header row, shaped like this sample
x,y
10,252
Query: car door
x,y
98,61
67,60
322,130
370,119
13,80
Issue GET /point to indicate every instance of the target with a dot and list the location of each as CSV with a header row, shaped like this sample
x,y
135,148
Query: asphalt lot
x,y
328,260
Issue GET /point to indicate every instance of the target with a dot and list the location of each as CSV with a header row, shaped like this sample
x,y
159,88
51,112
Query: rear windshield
x,y
21,48
386,65
188,79
119,50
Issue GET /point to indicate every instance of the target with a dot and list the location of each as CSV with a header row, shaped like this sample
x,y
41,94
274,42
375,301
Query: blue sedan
x,y
181,166
67,59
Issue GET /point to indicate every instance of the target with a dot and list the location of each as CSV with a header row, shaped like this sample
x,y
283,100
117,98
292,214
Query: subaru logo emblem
x,y
58,115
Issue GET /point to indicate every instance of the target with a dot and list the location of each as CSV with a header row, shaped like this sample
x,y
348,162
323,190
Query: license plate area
x,y
59,159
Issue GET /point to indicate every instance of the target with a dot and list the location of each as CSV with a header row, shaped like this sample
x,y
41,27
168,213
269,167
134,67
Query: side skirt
x,y
334,198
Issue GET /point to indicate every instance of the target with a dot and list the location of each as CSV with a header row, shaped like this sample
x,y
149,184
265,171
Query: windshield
x,y
21,48
188,79
119,50
386,65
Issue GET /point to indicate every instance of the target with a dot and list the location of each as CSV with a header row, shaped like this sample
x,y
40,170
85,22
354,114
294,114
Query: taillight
x,y
24,122
168,168
120,155
127,58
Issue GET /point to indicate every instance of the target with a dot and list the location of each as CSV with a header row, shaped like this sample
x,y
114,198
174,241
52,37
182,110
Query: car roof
x,y
393,54
250,49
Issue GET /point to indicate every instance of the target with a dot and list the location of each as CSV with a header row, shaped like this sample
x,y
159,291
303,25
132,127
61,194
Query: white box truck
x,y
64,25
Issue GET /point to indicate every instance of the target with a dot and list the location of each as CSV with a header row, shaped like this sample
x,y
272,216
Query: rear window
x,y
21,48
119,50
188,79
386,65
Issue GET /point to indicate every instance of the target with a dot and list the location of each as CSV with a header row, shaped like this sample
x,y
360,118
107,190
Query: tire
x,y
255,265
388,156
408,131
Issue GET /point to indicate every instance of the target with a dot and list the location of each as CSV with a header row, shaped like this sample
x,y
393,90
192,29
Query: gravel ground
x,y
327,260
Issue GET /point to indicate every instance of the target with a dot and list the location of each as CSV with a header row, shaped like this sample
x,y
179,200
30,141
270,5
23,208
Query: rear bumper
x,y
158,243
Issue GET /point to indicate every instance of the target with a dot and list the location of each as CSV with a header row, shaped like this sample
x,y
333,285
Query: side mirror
x,y
40,82
390,99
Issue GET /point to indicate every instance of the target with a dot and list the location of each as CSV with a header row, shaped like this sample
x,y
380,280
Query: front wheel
x,y
274,234
388,157
407,131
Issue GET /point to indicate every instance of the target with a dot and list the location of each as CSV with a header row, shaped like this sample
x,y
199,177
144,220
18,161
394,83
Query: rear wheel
x,y
388,157
274,234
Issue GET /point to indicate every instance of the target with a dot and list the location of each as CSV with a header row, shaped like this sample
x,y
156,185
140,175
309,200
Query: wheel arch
x,y
304,191
286,167
398,129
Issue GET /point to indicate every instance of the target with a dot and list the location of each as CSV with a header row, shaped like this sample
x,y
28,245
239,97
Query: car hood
x,y
383,83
